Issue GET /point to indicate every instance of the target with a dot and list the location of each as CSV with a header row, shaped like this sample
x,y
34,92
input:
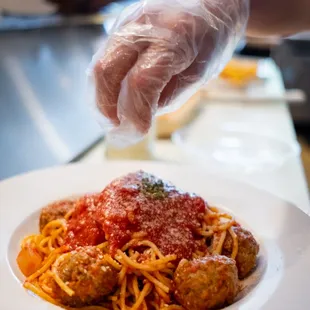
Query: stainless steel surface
x,y
44,114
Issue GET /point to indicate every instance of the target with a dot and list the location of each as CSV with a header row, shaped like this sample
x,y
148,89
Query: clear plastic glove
x,y
158,55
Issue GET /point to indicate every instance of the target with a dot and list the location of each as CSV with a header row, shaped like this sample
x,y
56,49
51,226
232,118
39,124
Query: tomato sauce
x,y
140,202
83,229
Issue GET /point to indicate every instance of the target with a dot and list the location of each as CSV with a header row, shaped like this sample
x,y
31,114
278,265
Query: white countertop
x,y
266,117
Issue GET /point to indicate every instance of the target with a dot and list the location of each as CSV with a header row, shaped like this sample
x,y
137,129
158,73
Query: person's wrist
x,y
305,13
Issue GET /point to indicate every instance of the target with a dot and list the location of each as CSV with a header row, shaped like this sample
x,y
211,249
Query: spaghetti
x,y
145,273
155,272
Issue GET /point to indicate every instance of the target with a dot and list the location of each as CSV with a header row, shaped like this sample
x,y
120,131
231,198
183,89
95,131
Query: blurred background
x,y
248,116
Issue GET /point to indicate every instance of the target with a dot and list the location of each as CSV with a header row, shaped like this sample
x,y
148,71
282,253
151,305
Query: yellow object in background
x,y
240,72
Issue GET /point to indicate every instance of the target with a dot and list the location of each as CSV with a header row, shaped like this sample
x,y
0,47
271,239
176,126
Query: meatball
x,y
54,211
248,249
206,283
87,273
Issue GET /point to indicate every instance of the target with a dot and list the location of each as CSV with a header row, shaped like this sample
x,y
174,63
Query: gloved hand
x,y
159,54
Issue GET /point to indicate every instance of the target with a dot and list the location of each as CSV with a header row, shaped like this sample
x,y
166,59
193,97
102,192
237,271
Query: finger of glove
x,y
109,72
196,73
141,89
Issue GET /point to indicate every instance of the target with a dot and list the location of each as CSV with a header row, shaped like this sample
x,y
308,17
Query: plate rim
x,y
195,168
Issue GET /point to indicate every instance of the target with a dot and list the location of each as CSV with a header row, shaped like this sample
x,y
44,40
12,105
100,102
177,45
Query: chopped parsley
x,y
153,189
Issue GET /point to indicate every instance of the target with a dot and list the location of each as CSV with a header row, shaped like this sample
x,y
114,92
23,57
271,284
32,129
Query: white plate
x,y
282,229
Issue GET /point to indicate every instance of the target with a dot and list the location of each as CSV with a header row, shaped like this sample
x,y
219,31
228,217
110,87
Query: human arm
x,y
278,17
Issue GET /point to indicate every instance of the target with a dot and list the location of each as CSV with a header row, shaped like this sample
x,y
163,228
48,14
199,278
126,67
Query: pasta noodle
x,y
140,274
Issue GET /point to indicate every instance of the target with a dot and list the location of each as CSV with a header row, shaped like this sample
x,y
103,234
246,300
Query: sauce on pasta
x,y
139,203
83,227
